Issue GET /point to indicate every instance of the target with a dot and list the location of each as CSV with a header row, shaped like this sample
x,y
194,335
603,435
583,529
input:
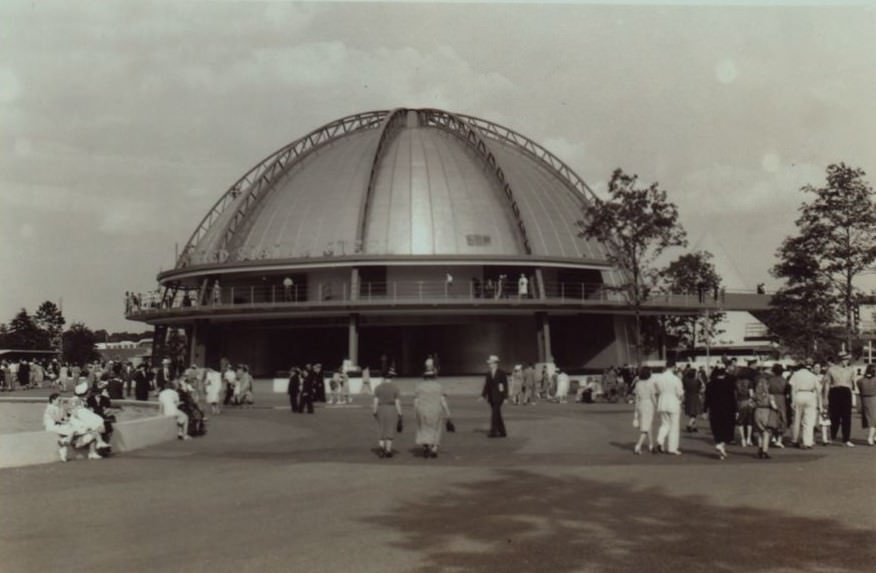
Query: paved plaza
x,y
267,490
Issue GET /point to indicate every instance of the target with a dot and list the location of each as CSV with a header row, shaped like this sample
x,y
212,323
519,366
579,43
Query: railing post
x,y
394,291
344,291
369,291
252,296
231,302
583,292
563,292
471,290
420,290
273,294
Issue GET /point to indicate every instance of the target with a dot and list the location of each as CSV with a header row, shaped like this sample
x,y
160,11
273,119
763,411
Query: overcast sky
x,y
122,122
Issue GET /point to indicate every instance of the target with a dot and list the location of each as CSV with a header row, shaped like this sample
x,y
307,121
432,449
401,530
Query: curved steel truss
x,y
248,190
459,127
533,149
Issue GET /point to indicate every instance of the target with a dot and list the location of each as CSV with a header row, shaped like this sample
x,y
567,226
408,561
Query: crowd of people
x,y
756,405
759,405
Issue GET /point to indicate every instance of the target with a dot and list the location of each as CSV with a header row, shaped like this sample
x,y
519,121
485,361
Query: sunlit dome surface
x,y
400,182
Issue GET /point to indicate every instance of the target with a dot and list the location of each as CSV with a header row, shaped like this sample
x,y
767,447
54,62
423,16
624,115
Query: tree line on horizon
x,y
815,313
44,330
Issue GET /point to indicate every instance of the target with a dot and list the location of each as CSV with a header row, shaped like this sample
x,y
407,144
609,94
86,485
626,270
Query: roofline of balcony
x,y
482,307
359,260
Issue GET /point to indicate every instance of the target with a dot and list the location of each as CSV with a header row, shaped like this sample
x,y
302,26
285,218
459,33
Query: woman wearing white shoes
x,y
646,402
867,389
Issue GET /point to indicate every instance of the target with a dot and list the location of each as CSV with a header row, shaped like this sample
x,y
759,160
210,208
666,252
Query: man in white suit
x,y
670,393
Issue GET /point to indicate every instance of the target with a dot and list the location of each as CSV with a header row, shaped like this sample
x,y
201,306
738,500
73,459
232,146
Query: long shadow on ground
x,y
529,522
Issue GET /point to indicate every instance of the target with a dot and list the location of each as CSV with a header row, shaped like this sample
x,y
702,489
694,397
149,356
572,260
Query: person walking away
x,y
495,391
693,400
779,389
720,403
839,381
516,384
430,407
645,394
294,389
805,401
867,390
670,392
766,417
745,410
387,411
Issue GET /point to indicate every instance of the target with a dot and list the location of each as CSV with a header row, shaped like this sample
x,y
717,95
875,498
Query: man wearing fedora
x,y
495,392
838,382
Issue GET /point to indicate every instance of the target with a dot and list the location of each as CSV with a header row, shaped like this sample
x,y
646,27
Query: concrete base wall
x,y
29,448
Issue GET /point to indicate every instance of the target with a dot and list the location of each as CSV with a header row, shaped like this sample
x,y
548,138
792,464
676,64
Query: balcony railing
x,y
410,292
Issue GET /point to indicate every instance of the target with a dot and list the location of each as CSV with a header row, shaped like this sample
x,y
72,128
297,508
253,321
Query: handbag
x,y
399,426
448,425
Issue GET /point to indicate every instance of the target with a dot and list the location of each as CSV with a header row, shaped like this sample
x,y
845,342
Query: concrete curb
x,y
29,448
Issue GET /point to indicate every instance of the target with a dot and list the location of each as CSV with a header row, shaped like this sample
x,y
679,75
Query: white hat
x,y
493,358
81,389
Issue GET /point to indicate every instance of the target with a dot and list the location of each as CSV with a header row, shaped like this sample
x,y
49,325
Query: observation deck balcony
x,y
262,301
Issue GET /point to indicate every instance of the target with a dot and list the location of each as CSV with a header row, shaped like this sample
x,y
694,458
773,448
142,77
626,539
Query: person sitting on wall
x,y
99,402
168,405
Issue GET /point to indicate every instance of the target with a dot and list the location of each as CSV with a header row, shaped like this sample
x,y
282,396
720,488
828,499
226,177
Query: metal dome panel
x,y
434,197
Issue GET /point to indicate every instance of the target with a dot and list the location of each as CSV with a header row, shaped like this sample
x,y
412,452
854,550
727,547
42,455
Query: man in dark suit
x,y
309,387
141,382
294,388
164,376
495,392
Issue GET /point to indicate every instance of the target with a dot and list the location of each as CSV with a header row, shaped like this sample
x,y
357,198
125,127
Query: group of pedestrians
x,y
753,405
83,421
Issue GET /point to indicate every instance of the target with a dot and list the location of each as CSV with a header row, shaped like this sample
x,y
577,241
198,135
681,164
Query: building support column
x,y
354,285
353,340
197,334
539,285
545,353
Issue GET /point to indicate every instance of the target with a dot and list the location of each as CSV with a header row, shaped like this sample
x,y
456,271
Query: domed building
x,y
387,236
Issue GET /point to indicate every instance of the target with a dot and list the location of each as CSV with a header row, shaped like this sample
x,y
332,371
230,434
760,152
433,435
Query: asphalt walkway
x,y
268,490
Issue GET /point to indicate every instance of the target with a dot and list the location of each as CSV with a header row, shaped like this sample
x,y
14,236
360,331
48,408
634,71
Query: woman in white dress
x,y
646,402
213,386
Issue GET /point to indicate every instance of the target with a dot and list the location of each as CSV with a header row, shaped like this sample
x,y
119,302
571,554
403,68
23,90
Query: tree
x,y
4,336
48,318
836,242
692,273
24,334
79,344
638,224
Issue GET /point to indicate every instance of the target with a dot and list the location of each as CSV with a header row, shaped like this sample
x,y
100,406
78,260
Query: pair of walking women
x,y
432,413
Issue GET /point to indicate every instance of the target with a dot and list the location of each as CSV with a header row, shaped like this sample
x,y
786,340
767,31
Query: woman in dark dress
x,y
779,390
387,410
721,406
693,401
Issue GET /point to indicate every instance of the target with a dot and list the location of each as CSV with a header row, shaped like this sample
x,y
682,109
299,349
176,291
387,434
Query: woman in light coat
x,y
646,402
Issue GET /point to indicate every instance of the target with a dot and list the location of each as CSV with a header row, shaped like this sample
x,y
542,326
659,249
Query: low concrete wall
x,y
28,448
